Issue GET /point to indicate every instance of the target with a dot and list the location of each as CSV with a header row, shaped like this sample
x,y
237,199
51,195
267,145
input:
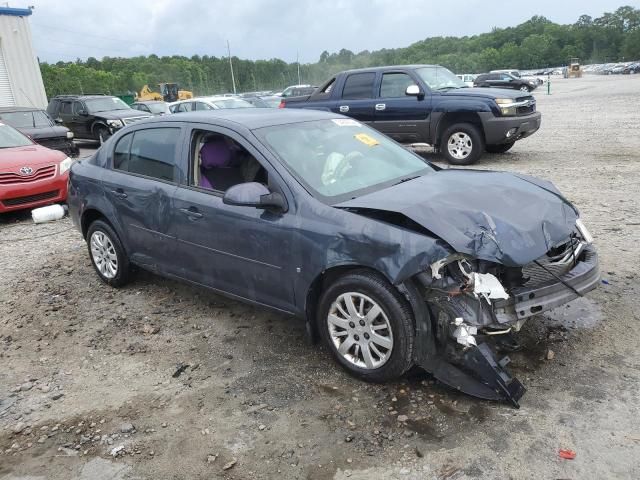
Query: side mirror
x,y
83,113
253,194
413,91
58,121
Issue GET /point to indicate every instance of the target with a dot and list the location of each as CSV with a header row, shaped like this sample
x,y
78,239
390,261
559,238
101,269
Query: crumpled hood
x,y
496,216
120,114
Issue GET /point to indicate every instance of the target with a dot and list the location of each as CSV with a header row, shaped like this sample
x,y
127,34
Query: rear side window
x,y
151,153
358,86
202,106
395,85
66,108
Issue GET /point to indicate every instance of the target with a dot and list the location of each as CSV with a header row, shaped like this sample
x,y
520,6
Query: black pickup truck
x,y
428,104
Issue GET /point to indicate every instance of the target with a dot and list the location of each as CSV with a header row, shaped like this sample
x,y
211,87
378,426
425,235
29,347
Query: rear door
x,y
403,117
140,185
357,97
80,124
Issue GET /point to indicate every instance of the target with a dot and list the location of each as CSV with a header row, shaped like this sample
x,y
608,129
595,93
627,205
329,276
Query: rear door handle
x,y
119,193
380,106
192,213
344,108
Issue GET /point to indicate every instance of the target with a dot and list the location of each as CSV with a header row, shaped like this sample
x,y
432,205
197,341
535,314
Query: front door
x,y
243,251
403,117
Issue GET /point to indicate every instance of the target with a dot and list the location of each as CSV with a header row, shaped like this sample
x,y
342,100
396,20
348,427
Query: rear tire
x,y
462,144
368,326
107,254
503,147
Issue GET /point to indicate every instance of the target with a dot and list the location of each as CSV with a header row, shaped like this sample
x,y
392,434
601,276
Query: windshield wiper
x,y
406,179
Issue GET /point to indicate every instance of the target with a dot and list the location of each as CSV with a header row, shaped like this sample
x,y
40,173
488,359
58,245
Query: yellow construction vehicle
x,y
574,69
169,92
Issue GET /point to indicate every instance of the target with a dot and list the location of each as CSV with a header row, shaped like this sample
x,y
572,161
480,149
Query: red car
x,y
30,175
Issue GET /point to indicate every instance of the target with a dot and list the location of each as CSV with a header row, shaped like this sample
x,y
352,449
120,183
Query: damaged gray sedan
x,y
391,260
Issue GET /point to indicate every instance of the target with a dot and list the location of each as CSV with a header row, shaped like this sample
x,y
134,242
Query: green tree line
x,y
536,43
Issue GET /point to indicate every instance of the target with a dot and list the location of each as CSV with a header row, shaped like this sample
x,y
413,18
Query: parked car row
x,y
613,68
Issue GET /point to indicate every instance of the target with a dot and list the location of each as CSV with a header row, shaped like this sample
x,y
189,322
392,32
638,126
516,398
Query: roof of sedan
x,y
250,118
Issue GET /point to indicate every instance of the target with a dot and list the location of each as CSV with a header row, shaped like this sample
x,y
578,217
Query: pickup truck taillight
x,y
282,104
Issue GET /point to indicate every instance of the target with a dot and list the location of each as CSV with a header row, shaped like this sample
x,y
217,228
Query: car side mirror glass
x,y
58,121
253,194
83,113
413,91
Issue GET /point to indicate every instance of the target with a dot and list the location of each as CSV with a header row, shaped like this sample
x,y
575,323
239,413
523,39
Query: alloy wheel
x,y
104,254
460,145
360,330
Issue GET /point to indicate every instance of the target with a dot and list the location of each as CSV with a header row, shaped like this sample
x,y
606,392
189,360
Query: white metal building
x,y
20,78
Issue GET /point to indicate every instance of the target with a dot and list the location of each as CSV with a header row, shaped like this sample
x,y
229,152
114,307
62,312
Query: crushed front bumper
x,y
527,301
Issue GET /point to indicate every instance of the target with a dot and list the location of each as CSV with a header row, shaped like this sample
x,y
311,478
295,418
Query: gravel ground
x,y
162,380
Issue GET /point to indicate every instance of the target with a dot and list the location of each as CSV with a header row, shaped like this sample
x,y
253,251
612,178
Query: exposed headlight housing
x,y
65,165
507,106
69,134
115,123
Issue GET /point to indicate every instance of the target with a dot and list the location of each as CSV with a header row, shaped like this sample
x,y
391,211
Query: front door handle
x,y
344,108
119,193
380,106
191,213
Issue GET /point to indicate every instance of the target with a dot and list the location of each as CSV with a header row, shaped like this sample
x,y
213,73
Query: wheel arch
x,y
89,216
451,118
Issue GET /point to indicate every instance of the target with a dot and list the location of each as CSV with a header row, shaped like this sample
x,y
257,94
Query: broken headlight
x,y
584,233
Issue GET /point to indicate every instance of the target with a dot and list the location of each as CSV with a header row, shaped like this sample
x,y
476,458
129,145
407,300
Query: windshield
x,y
105,104
18,119
10,137
231,103
339,159
439,78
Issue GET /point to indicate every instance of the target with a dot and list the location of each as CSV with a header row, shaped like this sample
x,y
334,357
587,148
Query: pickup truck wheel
x,y
102,134
107,254
368,326
462,144
503,147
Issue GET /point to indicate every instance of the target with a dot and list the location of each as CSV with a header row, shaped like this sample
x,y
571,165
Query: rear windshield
x,y
231,103
10,137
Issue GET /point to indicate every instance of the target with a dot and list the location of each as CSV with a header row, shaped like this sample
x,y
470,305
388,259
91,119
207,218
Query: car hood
x,y
483,92
119,114
13,159
39,133
500,217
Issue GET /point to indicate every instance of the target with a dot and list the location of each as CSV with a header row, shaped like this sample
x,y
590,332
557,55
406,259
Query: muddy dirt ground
x,y
164,381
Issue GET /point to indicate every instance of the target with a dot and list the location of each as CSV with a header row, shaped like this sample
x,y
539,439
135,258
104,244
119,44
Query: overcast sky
x,y
263,29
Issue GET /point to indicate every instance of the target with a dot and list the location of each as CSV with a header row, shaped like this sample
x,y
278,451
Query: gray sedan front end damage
x,y
515,252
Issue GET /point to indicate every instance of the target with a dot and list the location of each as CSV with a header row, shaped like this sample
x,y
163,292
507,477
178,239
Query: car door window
x,y
151,153
358,86
77,108
219,162
506,78
395,84
202,106
185,107
65,108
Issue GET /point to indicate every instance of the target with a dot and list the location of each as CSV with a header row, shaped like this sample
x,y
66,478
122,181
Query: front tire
x,y
462,144
107,254
368,326
503,147
524,88
103,134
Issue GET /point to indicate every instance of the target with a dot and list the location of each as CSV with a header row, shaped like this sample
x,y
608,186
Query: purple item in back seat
x,y
213,155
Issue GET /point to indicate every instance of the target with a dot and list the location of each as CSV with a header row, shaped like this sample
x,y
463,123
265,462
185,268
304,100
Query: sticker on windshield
x,y
346,122
366,139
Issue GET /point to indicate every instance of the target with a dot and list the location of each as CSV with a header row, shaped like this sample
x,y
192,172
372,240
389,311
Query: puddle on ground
x,y
580,313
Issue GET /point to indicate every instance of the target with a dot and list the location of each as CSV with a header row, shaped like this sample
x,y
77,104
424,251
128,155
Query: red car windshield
x,y
10,137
